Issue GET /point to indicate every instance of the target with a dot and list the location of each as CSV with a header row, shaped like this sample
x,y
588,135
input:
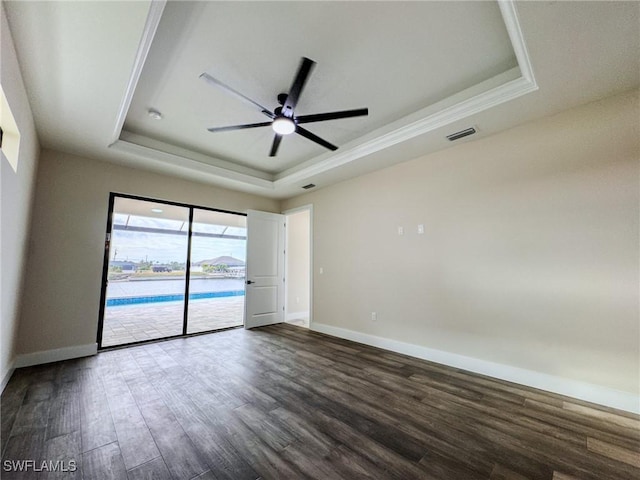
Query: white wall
x,y
15,200
530,256
62,292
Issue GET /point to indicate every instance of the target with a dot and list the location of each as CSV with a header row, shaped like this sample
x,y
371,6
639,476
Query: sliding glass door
x,y
170,270
216,287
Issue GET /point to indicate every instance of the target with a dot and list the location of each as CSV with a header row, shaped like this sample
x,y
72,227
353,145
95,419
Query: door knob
x,y
249,282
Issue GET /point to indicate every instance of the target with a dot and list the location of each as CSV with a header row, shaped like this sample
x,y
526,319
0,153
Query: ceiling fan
x,y
283,119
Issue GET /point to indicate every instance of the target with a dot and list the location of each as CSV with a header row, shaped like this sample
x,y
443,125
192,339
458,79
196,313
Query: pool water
x,y
113,302
153,291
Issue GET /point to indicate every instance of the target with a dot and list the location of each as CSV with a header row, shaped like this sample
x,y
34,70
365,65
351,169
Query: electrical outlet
x,y
420,229
374,316
321,270
400,230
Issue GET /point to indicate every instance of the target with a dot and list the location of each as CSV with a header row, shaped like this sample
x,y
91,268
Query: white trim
x,y
56,355
301,208
151,25
296,316
572,388
311,267
7,376
511,22
461,110
189,163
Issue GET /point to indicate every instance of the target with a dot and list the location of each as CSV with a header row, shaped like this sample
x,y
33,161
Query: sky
x,y
137,246
164,248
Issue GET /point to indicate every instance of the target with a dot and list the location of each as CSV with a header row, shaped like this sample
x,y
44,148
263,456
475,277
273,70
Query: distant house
x,y
124,266
235,266
161,268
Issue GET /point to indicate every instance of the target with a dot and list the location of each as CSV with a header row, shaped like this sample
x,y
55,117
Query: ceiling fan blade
x,y
298,84
314,138
239,127
320,117
276,143
215,82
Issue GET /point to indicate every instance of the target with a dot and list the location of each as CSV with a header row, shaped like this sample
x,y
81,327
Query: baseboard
x,y
297,316
572,388
56,355
7,376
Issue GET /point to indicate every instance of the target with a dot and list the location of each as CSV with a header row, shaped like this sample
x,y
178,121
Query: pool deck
x,y
133,323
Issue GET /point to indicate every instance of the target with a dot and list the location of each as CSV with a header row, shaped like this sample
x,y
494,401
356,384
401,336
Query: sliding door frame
x,y
105,268
187,274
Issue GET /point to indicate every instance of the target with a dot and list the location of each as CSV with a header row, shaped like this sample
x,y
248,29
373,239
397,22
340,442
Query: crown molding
x,y
184,162
445,116
148,33
512,23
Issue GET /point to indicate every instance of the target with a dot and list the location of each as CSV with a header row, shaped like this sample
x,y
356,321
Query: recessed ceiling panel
x,y
392,57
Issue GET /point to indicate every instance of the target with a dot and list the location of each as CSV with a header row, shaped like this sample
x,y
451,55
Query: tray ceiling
x,y
417,66
387,56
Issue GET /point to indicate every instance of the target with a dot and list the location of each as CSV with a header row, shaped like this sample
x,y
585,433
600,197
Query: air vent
x,y
461,134
308,186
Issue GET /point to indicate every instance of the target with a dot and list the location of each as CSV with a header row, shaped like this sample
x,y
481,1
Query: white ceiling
x,y
424,70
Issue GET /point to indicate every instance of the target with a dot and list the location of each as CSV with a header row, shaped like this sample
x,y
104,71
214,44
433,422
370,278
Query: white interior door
x,y
264,295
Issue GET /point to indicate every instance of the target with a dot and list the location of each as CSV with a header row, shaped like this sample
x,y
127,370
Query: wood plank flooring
x,y
282,402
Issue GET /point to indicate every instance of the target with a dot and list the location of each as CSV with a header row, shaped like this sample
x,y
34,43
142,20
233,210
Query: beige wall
x,y
15,199
62,292
530,252
298,257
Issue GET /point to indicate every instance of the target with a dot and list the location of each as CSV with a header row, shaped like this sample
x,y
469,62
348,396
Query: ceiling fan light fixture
x,y
283,126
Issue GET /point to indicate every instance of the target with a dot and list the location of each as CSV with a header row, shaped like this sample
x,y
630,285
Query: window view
x,y
148,255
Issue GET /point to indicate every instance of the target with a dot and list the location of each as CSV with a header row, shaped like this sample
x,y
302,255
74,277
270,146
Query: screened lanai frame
x,y
201,231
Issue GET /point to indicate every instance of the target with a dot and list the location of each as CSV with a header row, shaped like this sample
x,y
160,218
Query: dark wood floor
x,y
282,402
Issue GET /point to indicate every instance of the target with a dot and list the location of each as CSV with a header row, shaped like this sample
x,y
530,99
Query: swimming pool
x,y
171,290
114,302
